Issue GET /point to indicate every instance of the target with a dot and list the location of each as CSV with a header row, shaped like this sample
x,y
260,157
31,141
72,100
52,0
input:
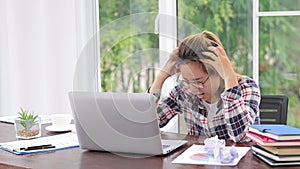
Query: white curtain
x,y
167,42
87,71
38,54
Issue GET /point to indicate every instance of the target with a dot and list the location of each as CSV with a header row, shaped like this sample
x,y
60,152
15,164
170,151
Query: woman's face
x,y
199,82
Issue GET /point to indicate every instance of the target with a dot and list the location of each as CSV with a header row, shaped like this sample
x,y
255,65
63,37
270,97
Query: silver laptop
x,y
119,122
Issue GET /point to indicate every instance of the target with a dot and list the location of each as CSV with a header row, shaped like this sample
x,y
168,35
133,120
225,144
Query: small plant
x,y
27,125
27,119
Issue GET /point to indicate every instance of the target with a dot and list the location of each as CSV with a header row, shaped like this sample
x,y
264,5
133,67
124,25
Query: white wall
x,y
37,55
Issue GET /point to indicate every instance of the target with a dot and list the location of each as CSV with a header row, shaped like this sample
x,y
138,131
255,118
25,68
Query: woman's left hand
x,y
221,63
219,60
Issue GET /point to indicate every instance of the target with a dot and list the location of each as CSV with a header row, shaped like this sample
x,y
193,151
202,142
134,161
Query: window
x,y
261,39
131,52
231,20
278,32
129,46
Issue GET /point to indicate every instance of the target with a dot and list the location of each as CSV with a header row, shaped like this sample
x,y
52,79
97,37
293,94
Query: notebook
x,y
283,150
275,163
276,131
267,141
119,122
282,158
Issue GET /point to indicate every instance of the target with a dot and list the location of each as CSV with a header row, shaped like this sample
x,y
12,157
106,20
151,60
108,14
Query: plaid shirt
x,y
238,107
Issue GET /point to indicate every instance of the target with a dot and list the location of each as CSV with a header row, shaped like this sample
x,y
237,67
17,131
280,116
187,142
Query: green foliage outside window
x,y
128,62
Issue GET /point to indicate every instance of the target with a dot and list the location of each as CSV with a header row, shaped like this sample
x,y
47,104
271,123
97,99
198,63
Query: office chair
x,y
273,109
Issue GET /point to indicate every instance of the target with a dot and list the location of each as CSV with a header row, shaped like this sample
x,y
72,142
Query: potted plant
x,y
27,125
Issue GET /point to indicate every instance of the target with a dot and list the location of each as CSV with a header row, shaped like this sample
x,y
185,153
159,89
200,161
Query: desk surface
x,y
77,158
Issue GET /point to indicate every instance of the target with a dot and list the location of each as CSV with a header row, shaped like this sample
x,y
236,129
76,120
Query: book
x,y
276,131
274,157
283,150
267,141
59,142
275,163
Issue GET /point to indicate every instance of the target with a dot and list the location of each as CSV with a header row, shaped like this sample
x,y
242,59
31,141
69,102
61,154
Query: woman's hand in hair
x,y
168,70
170,67
220,61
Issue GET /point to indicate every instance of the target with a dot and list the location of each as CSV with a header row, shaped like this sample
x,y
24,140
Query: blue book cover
x,y
276,131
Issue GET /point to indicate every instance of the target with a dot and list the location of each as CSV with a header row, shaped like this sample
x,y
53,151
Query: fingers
x,y
218,51
215,53
175,52
207,61
171,64
212,53
209,56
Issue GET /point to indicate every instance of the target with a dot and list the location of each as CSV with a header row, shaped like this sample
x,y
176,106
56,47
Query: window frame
x,y
256,16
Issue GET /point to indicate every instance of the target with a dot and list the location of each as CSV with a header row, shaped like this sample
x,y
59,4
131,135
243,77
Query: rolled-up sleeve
x,y
241,108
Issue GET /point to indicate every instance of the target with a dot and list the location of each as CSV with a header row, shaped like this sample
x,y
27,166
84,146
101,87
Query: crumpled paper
x,y
221,153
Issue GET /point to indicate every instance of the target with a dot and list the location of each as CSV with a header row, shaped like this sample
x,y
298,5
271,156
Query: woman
x,y
213,98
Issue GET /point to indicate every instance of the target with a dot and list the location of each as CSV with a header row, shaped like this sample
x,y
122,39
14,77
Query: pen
x,y
46,146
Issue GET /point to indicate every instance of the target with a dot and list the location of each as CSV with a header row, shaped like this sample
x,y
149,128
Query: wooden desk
x,y
77,158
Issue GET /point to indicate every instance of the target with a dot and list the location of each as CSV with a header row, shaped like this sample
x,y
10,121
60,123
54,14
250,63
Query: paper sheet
x,y
11,119
60,141
196,154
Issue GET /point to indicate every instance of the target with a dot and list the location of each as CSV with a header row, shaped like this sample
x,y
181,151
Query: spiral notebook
x,y
59,142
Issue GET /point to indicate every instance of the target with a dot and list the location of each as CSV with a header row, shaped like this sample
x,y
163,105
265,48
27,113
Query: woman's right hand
x,y
168,70
170,67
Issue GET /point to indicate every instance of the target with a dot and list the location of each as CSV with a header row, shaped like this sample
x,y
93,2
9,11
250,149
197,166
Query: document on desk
x,y
42,144
196,154
45,119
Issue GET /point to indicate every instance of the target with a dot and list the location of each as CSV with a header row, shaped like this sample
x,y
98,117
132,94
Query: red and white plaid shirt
x,y
238,107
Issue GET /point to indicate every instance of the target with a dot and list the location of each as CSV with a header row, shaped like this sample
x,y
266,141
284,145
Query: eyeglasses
x,y
194,83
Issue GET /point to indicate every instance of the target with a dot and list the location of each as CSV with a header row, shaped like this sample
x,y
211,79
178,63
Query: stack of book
x,y
275,144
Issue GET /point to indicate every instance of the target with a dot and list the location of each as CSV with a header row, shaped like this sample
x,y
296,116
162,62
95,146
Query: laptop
x,y
119,122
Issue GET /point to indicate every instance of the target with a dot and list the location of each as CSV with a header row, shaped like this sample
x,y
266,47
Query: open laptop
x,y
119,122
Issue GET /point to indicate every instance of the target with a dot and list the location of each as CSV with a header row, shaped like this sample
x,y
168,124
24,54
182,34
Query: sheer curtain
x,y
38,54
